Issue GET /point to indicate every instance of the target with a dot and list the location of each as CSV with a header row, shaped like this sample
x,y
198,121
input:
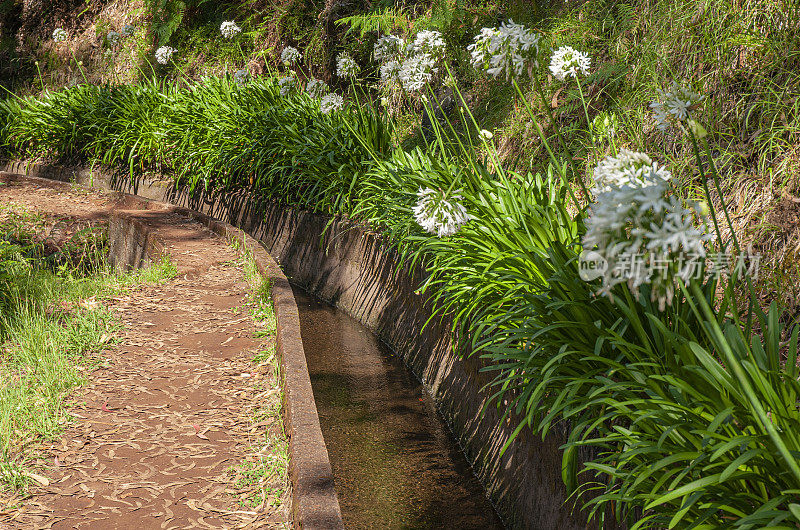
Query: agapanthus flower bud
x,y
697,129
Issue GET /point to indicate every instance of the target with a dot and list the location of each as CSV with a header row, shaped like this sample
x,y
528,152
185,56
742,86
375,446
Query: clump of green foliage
x,y
674,399
291,150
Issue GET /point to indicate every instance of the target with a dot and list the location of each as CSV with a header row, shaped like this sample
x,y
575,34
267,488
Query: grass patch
x,y
262,480
265,478
159,272
260,295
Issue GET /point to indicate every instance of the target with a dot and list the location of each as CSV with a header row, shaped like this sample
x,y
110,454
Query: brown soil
x,y
162,423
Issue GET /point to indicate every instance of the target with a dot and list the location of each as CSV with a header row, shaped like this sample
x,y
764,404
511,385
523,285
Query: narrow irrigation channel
x,y
394,462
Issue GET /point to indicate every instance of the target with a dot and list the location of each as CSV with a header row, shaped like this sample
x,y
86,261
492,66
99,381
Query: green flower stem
x,y
704,181
470,153
41,80
553,159
439,138
80,66
570,158
715,177
241,51
752,302
583,101
183,74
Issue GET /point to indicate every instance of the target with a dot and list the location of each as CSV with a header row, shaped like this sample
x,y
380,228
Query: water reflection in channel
x,y
394,463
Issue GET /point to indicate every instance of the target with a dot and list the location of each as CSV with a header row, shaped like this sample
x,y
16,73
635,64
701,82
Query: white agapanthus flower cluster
x,y
388,48
429,42
290,55
127,30
417,71
390,72
412,65
346,66
229,29
317,88
628,168
644,236
438,214
59,35
287,84
331,102
241,76
419,66
113,38
677,102
567,61
504,50
164,54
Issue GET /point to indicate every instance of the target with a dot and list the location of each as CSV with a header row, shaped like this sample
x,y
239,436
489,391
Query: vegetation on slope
x,y
691,404
743,55
680,436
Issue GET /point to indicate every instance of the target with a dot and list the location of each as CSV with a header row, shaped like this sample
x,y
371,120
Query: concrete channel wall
x,y
352,268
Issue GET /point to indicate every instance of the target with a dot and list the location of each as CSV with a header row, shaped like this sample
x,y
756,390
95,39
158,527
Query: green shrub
x,y
691,413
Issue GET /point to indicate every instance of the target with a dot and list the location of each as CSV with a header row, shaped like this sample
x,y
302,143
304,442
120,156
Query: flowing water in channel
x,y
394,462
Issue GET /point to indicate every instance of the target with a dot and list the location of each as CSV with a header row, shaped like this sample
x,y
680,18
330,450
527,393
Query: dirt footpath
x,y
164,429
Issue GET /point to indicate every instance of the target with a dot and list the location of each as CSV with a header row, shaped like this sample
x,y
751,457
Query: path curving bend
x,y
161,427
